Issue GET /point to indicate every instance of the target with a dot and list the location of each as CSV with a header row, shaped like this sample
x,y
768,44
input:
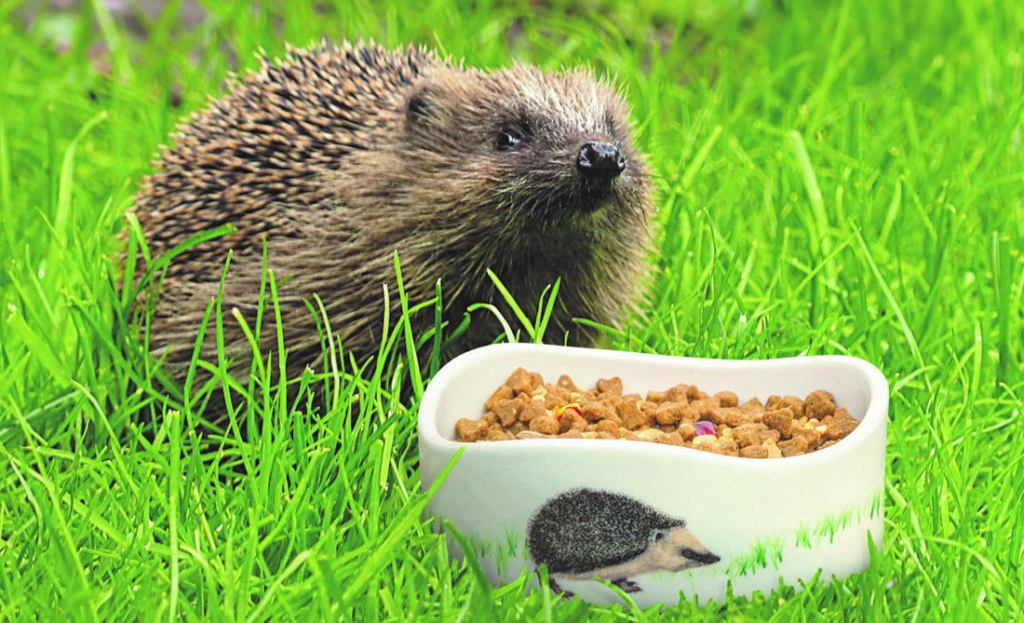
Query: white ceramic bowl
x,y
763,519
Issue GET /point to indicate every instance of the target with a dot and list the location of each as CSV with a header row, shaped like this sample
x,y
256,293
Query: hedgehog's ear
x,y
658,535
420,105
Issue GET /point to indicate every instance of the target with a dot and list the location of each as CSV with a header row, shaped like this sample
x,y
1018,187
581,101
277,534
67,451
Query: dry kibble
x,y
533,409
633,417
611,386
736,417
753,434
811,434
781,420
680,393
596,411
529,434
566,382
571,420
753,408
672,439
522,381
505,410
499,435
705,406
792,403
526,408
819,405
839,425
544,424
670,413
727,399
754,452
656,397
502,393
608,427
470,430
687,431
794,446
721,415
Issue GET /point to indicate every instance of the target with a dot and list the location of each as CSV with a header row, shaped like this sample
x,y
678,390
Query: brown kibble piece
x,y
753,434
505,411
839,425
669,413
686,431
633,417
704,406
608,426
794,446
498,435
728,446
529,434
738,417
544,424
672,439
819,405
502,393
792,403
566,382
522,381
754,452
470,430
753,407
571,420
681,393
611,386
533,409
555,397
781,420
812,435
596,411
721,415
727,399
656,397
572,433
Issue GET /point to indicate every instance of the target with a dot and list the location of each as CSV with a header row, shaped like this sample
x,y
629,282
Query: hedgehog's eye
x,y
507,139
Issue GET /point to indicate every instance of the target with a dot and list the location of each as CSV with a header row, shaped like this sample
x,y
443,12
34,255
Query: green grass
x,y
831,179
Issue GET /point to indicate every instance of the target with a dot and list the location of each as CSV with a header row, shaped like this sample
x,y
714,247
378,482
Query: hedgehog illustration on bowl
x,y
585,534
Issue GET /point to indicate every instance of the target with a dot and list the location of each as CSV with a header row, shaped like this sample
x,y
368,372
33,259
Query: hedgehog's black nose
x,y
600,161
704,558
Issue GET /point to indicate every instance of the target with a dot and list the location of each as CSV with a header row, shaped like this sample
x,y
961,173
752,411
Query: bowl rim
x,y
875,411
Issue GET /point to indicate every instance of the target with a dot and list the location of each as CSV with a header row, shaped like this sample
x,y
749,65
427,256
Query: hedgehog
x,y
584,534
331,160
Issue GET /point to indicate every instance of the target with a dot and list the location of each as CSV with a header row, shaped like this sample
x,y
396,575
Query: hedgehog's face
x,y
534,148
677,549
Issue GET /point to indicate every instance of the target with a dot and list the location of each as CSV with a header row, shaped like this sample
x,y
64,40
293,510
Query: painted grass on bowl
x,y
841,179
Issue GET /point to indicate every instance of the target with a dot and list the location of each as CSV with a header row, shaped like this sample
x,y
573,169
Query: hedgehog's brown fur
x,y
337,157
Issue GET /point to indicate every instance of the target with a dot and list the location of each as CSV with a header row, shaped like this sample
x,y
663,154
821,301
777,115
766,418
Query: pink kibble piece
x,y
704,427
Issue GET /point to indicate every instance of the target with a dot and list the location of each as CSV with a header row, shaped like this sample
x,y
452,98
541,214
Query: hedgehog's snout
x,y
600,162
704,558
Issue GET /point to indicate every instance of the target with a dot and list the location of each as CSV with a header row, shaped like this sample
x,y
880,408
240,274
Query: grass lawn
x,y
840,179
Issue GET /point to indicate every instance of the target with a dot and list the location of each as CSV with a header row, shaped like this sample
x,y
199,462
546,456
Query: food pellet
x,y
525,407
